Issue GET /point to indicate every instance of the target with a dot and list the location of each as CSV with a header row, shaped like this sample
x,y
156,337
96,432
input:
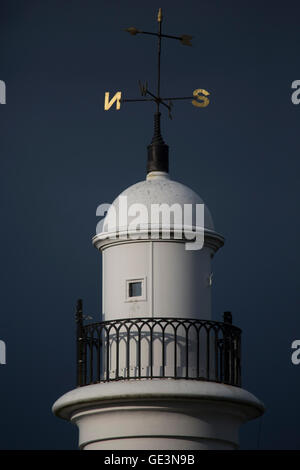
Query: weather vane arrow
x,y
158,150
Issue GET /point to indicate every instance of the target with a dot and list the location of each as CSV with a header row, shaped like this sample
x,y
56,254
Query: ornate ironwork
x,y
153,348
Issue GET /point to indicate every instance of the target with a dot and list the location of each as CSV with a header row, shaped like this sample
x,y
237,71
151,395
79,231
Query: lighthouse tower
x,y
157,372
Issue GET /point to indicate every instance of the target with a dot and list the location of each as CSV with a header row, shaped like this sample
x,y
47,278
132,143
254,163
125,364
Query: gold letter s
x,y
199,94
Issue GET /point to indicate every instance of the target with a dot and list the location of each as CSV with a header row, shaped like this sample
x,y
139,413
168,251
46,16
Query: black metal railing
x,y
140,348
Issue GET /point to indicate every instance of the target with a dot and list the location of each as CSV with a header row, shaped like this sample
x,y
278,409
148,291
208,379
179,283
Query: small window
x,y
135,289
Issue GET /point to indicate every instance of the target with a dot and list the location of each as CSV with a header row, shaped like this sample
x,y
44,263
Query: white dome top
x,y
158,188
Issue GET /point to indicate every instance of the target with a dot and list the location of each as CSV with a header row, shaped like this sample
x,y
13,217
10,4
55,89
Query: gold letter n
x,y
108,104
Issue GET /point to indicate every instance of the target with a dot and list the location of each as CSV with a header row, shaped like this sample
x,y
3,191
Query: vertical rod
x,y
186,351
198,354
98,347
226,356
159,19
139,352
79,341
117,353
107,332
84,361
216,355
128,352
163,352
151,351
207,353
227,317
220,356
91,344
175,352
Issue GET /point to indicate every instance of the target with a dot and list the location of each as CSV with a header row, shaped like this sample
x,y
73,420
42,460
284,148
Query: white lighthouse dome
x,y
159,189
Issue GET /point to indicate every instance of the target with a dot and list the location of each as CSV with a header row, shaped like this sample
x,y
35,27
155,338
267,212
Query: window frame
x,y
136,298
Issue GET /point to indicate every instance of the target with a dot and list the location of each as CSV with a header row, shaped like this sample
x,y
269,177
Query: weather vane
x,y
158,150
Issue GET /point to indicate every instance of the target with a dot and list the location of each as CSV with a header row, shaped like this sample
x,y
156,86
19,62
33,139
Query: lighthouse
x,y
157,371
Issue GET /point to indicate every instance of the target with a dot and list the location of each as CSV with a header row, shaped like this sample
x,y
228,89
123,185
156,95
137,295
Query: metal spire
x,y
158,151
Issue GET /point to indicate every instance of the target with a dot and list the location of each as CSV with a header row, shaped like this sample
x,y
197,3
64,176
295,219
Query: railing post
x,y
79,343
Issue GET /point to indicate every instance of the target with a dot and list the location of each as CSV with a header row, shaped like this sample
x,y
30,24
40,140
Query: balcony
x,y
159,347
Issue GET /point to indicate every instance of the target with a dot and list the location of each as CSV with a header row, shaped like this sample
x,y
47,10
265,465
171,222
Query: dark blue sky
x,y
62,155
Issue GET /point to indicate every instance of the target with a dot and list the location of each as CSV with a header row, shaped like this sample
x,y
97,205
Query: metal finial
x,y
79,315
227,316
159,16
157,137
158,151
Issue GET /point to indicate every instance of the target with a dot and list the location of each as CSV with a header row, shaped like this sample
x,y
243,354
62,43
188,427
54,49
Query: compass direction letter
x,y
143,88
202,101
108,104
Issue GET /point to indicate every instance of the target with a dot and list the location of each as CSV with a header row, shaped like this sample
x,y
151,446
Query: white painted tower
x,y
190,405
157,372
